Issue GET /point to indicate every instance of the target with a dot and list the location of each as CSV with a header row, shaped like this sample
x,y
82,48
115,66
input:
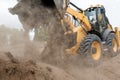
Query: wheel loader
x,y
94,33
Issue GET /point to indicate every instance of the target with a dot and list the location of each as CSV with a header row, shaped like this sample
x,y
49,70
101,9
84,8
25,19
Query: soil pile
x,y
12,69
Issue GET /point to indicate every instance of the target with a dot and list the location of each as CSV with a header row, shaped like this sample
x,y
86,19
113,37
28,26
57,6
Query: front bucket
x,y
60,5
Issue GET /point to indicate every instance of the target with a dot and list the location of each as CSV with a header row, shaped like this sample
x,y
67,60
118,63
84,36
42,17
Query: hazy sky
x,y
5,17
112,10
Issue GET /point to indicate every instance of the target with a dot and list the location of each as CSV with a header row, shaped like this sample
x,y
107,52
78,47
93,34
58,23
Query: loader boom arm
x,y
81,16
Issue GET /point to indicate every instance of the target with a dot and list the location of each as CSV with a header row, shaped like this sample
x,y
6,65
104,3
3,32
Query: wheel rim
x,y
96,50
114,43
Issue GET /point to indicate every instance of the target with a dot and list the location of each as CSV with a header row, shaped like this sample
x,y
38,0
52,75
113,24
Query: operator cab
x,y
97,18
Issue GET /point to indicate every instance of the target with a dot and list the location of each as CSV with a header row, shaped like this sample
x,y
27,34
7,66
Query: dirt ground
x,y
27,65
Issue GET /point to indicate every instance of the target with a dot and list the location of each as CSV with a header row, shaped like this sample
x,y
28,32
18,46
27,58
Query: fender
x,y
106,33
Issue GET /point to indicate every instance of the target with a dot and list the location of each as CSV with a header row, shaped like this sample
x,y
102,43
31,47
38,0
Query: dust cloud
x,y
21,59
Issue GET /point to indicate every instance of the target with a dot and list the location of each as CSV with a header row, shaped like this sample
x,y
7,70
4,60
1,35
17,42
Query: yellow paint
x,y
97,54
117,36
80,16
80,36
115,47
79,29
73,29
109,26
99,17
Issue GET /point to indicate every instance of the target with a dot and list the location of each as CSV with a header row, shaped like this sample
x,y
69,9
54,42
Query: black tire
x,y
86,50
111,43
